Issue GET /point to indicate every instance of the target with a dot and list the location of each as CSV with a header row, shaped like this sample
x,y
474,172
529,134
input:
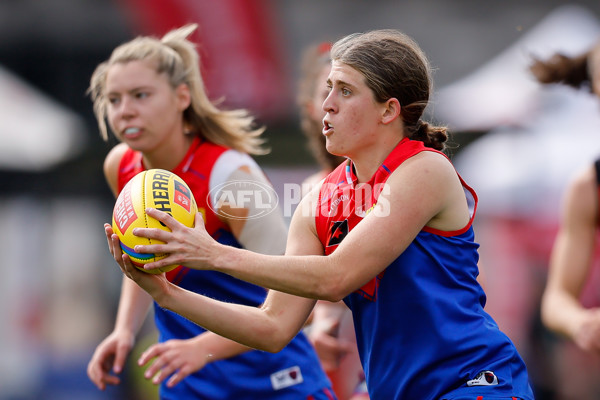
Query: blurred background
x,y
514,142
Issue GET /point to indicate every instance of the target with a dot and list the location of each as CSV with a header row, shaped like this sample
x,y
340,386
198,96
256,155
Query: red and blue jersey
x,y
420,324
294,373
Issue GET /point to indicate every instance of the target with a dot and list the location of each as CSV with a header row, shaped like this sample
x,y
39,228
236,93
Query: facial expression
x,y
352,114
143,109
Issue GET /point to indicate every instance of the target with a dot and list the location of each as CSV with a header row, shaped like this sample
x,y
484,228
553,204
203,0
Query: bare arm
x,y
110,355
570,263
268,328
266,235
424,191
134,303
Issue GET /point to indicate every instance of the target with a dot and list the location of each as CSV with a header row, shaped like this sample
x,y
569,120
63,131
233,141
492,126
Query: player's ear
x,y
391,110
183,96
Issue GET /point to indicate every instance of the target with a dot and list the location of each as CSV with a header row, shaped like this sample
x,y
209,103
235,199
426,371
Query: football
x,y
154,188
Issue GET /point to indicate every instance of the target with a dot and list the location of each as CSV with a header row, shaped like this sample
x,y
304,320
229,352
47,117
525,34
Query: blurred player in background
x,y
331,329
570,303
574,248
152,95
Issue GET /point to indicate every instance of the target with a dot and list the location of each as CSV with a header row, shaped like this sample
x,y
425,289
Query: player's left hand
x,y
175,358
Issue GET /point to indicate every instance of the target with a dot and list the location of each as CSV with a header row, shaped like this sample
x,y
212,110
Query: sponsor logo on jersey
x,y
484,378
286,378
338,231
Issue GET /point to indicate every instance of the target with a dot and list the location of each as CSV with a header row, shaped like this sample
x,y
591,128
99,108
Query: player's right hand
x,y
587,336
109,359
329,347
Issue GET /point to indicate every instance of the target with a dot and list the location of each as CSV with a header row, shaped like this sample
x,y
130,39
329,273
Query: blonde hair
x,y
176,57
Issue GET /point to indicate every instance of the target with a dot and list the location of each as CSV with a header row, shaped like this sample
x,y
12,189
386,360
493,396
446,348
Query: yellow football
x,y
154,188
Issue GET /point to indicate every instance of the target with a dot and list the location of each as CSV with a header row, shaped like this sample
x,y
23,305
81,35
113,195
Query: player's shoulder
x,y
233,160
112,162
433,166
114,156
430,156
585,180
235,157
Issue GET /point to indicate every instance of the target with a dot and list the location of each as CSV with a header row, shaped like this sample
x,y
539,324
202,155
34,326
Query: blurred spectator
x,y
331,330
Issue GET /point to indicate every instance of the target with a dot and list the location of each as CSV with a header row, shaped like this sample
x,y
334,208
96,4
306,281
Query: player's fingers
x,y
110,380
153,351
120,357
102,378
166,371
153,233
334,328
108,232
163,217
127,267
332,344
199,220
124,267
95,375
155,367
160,369
158,264
98,366
115,247
178,376
152,248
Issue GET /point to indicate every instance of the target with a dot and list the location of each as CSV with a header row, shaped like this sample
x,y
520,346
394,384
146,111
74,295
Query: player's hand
x,y
174,358
109,358
155,284
587,335
191,247
113,246
330,348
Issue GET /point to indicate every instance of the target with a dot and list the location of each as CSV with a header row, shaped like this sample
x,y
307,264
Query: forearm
x,y
250,326
561,312
217,347
134,305
315,277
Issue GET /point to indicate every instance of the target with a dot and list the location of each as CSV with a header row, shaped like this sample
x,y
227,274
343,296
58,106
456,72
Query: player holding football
x,y
152,94
389,232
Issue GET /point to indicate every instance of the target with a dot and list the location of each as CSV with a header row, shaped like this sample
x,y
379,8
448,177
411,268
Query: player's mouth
x,y
327,128
132,132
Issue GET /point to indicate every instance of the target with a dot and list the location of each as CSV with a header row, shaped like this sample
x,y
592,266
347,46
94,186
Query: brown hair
x,y
559,68
314,59
394,67
175,56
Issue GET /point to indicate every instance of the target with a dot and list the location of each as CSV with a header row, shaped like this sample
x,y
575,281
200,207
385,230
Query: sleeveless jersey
x,y
421,327
294,373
